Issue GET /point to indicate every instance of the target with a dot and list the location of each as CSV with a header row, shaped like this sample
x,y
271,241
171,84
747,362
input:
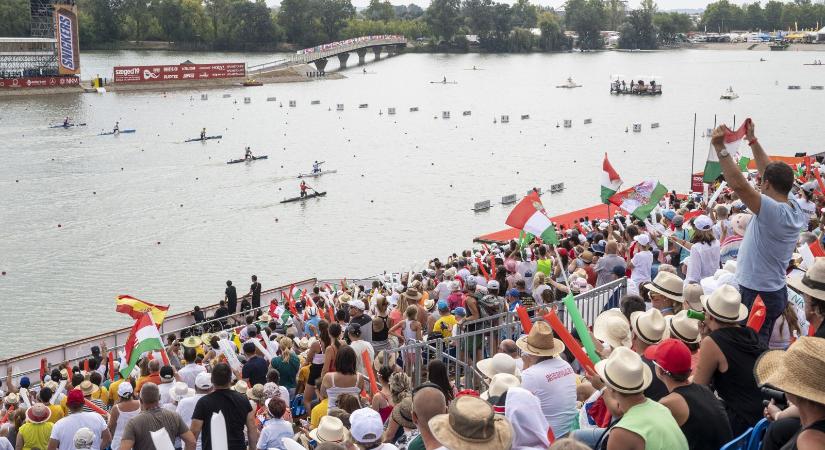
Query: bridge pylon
x,y
342,60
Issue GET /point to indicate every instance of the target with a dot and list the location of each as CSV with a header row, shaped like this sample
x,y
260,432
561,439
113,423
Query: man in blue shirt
x,y
255,367
771,236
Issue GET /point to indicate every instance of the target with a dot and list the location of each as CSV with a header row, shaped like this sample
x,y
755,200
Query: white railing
x,y
324,51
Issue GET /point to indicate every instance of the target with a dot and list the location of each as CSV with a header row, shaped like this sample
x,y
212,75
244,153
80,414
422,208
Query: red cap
x,y
671,354
75,397
562,252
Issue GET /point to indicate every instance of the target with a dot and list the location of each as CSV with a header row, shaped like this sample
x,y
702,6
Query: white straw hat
x,y
667,284
499,363
499,385
725,305
612,327
682,327
648,326
625,372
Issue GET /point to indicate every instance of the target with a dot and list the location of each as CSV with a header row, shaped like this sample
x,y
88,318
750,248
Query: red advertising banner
x,y
68,46
147,74
38,82
696,183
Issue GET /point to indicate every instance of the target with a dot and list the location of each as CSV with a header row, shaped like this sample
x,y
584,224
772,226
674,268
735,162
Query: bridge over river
x,y
320,54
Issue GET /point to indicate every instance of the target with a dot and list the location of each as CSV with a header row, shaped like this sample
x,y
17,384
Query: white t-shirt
x,y
642,264
464,274
164,389
442,290
65,428
272,434
527,269
358,347
186,406
189,372
704,261
553,381
5,444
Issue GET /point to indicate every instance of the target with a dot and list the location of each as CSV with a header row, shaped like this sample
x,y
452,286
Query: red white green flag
x,y
732,141
641,199
529,216
611,182
143,338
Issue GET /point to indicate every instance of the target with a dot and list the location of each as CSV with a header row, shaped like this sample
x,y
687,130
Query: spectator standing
x,y
186,406
255,293
255,367
357,315
189,372
63,432
606,264
236,410
231,296
771,235
122,412
137,433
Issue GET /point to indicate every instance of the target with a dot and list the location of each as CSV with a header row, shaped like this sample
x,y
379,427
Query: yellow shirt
x,y
444,325
303,374
57,413
320,410
101,394
113,390
36,435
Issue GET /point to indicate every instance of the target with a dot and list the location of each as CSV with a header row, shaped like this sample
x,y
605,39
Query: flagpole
x,y
692,157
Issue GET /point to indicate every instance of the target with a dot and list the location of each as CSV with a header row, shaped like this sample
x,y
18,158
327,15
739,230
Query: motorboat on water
x,y
569,84
729,94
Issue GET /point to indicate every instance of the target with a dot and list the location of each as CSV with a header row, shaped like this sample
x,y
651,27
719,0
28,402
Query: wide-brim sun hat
x,y
499,363
499,385
402,413
813,282
668,285
612,327
471,424
799,370
38,413
739,223
540,341
725,305
649,326
180,390
682,327
330,429
192,342
625,372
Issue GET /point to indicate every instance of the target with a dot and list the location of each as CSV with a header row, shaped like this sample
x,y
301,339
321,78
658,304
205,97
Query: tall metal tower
x,y
42,24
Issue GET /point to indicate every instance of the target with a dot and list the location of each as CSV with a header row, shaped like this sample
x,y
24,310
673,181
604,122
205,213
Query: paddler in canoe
x,y
203,133
116,129
304,186
248,156
316,166
66,121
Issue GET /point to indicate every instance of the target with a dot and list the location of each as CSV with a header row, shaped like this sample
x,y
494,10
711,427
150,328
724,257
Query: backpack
x,y
527,300
490,305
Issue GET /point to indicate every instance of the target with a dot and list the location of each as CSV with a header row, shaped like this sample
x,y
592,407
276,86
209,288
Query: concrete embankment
x,y
292,74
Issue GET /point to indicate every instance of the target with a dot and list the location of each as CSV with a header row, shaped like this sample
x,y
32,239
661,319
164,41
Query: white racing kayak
x,y
316,174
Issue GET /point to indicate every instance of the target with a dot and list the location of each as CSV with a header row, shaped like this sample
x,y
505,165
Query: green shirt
x,y
416,444
656,425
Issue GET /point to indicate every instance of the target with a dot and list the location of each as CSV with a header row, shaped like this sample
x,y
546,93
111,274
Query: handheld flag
x,y
610,181
143,338
529,216
135,308
732,141
641,199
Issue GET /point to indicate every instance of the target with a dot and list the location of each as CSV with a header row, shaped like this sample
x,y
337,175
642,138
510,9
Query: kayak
x,y
110,133
254,158
204,139
443,82
313,175
69,125
308,196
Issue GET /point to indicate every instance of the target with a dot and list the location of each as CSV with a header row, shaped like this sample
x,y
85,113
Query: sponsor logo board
x,y
141,74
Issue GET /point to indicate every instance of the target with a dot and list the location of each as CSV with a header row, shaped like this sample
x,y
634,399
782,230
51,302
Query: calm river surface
x,y
82,215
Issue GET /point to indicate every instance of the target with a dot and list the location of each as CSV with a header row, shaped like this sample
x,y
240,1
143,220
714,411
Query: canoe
x,y
204,139
69,125
443,82
308,196
313,175
110,133
254,158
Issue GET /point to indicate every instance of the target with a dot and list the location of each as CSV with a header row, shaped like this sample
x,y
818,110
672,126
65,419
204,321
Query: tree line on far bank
x,y
445,24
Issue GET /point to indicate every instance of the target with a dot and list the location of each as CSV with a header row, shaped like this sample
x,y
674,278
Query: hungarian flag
x,y
135,308
143,338
640,199
610,181
732,141
530,217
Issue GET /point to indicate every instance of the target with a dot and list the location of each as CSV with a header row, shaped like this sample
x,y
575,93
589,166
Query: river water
x,y
87,217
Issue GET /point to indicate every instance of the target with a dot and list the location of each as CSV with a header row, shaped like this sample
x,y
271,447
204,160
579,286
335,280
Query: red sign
x,y
38,82
144,74
697,185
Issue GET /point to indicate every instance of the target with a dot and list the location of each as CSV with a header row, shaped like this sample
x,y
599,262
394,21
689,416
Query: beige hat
x,y
625,372
12,399
181,390
241,387
725,305
648,326
330,429
499,385
691,295
611,326
667,284
88,388
402,413
192,342
256,394
471,424
265,317
813,282
682,327
798,370
499,363
540,341
739,223
344,298
428,304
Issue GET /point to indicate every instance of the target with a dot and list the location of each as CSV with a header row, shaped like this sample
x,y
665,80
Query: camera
x,y
777,396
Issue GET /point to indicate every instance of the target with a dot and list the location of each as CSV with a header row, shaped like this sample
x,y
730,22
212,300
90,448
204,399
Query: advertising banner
x,y
148,74
38,82
65,32
697,185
